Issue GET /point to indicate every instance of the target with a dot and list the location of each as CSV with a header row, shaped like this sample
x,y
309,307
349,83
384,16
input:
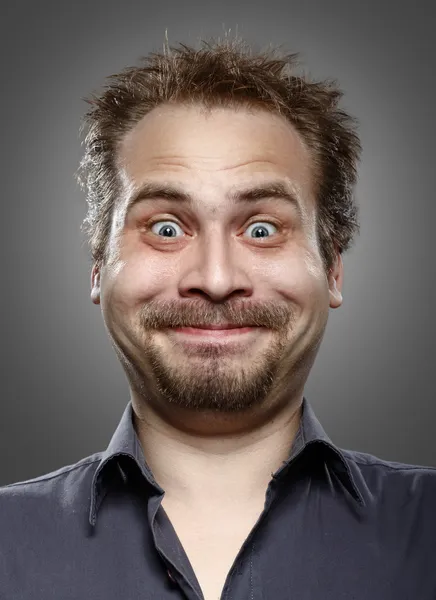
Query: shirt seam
x,y
393,468
251,572
363,464
48,477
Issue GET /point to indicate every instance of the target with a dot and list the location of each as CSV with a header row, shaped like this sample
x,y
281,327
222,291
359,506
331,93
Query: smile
x,y
216,333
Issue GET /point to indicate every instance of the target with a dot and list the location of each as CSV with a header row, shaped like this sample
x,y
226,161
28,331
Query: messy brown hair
x,y
224,74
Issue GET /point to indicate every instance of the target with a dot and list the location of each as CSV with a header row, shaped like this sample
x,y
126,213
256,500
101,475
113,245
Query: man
x,y
220,202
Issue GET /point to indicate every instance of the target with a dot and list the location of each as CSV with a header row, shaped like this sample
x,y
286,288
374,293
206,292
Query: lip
x,y
221,326
214,331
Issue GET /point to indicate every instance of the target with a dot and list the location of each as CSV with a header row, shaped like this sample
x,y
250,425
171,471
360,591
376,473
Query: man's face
x,y
216,260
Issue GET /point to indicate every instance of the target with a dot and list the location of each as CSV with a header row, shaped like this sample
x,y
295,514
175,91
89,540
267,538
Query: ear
x,y
335,279
95,284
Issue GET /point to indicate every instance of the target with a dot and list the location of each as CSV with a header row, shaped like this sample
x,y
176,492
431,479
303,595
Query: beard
x,y
209,377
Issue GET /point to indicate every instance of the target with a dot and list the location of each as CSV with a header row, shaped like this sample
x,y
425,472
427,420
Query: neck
x,y
193,466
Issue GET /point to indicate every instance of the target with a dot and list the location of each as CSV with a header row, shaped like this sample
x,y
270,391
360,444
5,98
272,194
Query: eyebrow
x,y
155,191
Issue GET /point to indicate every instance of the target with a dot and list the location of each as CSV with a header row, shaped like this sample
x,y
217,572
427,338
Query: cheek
x,y
136,281
300,279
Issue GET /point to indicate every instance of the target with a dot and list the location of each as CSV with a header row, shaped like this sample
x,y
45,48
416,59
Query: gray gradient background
x,y
372,386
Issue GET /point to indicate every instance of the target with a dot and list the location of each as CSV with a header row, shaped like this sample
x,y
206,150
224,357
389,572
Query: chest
x,y
212,541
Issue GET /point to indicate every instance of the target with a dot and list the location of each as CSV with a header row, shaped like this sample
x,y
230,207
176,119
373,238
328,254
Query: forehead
x,y
217,150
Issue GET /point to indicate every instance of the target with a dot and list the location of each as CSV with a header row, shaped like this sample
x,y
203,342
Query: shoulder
x,y
65,486
371,463
391,481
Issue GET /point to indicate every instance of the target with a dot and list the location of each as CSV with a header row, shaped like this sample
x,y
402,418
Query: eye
x,y
168,230
261,229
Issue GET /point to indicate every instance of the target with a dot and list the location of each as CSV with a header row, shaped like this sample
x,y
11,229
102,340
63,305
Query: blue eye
x,y
261,227
167,229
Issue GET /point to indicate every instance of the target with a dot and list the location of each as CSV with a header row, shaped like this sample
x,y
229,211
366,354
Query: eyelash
x,y
149,224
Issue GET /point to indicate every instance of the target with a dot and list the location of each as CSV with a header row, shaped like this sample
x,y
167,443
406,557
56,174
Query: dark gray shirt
x,y
337,524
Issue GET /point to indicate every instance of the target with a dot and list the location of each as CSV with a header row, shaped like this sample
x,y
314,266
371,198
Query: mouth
x,y
214,332
216,327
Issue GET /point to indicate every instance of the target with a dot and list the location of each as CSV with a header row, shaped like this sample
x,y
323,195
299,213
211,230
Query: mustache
x,y
171,313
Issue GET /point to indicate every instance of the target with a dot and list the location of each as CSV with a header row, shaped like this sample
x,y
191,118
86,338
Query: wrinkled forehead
x,y
213,154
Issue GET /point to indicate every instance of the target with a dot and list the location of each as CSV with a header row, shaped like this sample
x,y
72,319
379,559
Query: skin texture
x,y
209,414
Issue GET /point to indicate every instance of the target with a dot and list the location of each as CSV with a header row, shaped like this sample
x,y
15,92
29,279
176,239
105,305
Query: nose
x,y
218,271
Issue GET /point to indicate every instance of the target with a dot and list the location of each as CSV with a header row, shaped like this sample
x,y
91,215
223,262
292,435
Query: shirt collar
x,y
125,442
